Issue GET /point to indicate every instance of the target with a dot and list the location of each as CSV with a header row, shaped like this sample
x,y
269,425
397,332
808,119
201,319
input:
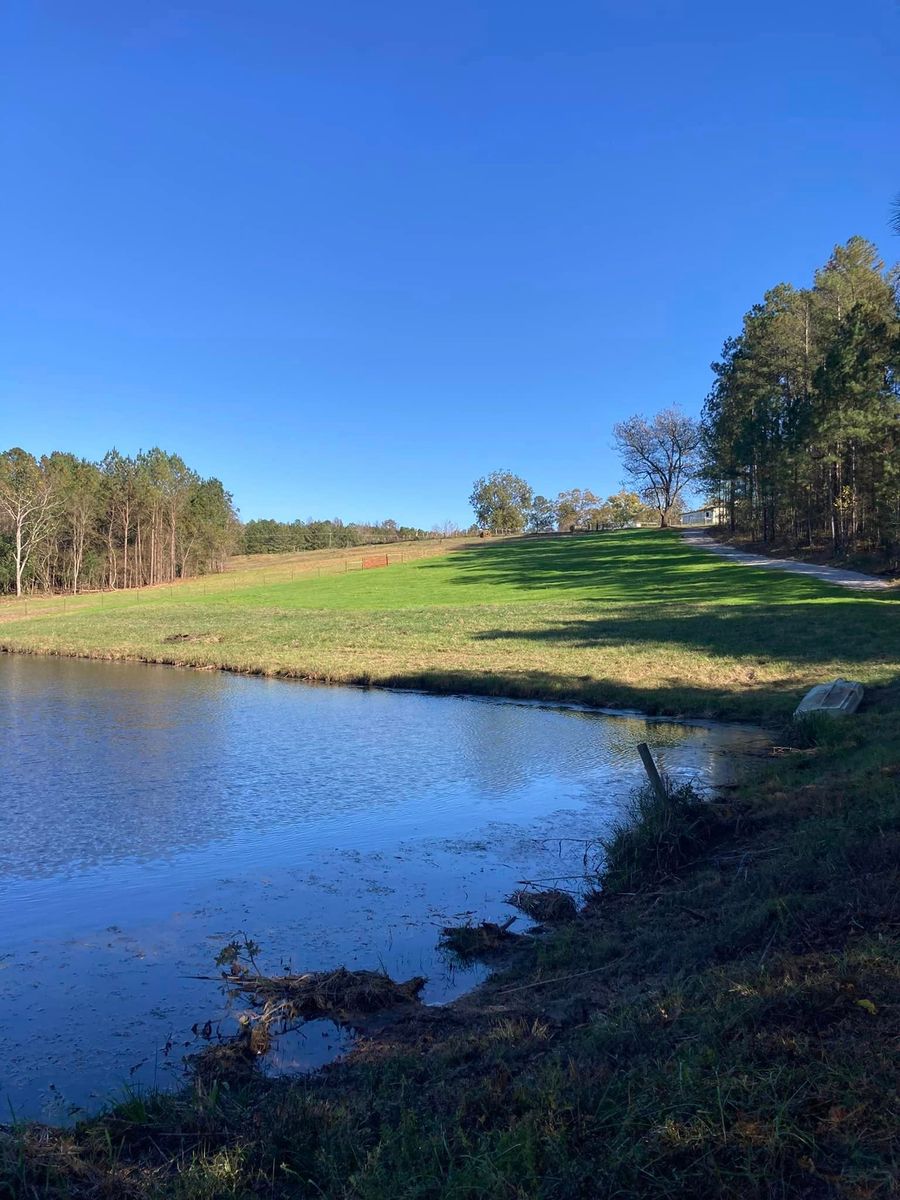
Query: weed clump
x,y
209,639
817,730
657,839
547,906
314,993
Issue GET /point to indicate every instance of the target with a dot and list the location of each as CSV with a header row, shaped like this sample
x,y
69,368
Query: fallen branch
x,y
522,987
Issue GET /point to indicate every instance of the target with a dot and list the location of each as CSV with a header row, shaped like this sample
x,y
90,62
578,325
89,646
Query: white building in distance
x,y
713,514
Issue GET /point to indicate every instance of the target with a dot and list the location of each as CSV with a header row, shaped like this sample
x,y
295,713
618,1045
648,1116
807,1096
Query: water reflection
x,y
149,814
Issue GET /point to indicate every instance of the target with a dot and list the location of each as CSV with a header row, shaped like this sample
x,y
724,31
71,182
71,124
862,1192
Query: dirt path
x,y
836,575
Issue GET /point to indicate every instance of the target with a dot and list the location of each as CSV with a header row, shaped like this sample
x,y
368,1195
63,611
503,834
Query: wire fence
x,y
285,569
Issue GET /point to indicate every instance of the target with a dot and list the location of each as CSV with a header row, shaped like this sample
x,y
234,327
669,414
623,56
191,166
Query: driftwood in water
x,y
477,941
278,1003
652,773
325,993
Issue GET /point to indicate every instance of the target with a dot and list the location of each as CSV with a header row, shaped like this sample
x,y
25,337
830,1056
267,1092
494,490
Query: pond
x,y
150,814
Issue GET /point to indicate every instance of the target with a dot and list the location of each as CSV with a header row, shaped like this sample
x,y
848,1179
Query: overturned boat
x,y
839,698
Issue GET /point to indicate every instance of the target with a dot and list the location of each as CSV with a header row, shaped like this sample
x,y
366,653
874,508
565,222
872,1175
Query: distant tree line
x,y
580,508
279,537
801,431
505,503
67,524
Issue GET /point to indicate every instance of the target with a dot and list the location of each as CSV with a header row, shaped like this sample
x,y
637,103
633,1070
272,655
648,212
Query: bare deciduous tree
x,y
659,456
26,499
67,524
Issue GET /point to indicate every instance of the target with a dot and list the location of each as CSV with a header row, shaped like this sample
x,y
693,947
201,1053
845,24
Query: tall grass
x,y
656,838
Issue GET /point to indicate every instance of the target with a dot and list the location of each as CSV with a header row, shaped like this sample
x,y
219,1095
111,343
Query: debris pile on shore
x,y
207,638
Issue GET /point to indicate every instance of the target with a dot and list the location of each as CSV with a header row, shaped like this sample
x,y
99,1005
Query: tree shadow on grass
x,y
760,701
853,632
635,565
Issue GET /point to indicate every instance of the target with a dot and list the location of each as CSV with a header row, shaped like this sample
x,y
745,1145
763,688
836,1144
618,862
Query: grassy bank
x,y
633,619
722,1019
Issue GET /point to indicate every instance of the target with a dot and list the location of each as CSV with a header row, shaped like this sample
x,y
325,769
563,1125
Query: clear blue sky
x,y
347,256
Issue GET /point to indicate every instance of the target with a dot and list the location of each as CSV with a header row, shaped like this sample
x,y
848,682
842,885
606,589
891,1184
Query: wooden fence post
x,y
652,774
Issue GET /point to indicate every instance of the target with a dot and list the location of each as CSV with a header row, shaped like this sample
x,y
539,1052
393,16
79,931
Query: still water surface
x,y
149,814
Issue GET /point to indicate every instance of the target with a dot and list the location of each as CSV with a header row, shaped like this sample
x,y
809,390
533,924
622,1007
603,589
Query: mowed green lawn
x,y
635,619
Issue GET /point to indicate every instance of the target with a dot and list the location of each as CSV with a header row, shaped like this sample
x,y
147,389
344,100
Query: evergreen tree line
x,y
67,524
266,536
801,431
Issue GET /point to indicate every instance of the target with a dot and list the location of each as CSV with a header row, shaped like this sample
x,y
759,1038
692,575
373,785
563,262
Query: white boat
x,y
839,698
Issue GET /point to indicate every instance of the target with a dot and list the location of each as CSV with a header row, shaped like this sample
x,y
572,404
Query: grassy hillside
x,y
634,618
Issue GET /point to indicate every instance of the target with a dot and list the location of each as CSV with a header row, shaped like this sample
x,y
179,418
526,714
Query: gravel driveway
x,y
837,575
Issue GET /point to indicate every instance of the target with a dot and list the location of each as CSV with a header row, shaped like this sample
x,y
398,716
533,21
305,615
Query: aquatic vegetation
x,y
339,993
